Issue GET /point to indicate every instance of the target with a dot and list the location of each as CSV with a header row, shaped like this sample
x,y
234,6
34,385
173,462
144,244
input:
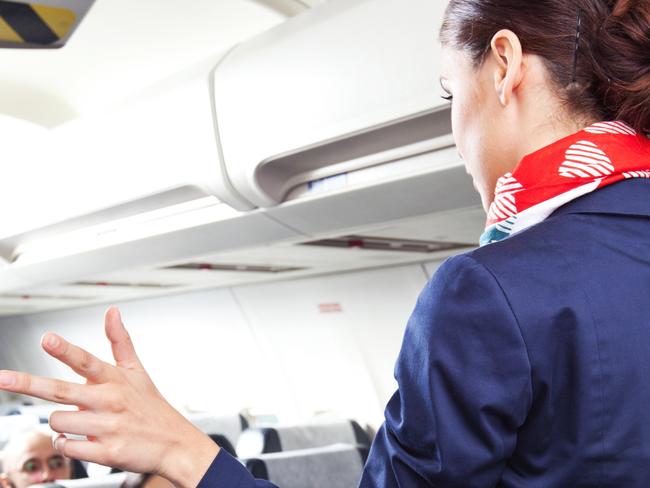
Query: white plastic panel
x,y
340,69
246,230
158,139
446,190
105,276
158,148
460,226
337,360
271,347
197,347
290,7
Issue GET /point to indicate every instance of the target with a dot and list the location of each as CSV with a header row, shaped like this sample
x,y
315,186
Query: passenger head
x,y
29,458
522,73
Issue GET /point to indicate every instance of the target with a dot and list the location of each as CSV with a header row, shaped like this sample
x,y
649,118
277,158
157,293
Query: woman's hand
x,y
127,422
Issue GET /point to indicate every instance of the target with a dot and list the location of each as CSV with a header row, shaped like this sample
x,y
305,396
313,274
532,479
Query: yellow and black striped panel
x,y
34,24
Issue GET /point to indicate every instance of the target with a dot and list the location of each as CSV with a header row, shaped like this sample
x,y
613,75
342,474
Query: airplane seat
x,y
78,470
224,443
336,466
266,440
229,426
258,440
361,435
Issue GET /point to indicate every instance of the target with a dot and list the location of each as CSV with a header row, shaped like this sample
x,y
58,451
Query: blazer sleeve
x,y
464,387
226,472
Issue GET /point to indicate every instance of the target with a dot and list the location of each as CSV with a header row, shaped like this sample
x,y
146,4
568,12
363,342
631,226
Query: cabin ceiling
x,y
120,50
124,46
290,259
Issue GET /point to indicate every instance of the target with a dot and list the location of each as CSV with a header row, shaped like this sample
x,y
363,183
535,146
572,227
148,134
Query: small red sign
x,y
330,308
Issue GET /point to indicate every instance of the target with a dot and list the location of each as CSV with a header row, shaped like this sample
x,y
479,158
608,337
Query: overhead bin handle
x,y
223,187
425,132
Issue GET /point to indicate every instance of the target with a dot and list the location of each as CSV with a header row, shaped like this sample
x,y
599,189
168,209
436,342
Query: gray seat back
x,y
265,440
336,466
229,426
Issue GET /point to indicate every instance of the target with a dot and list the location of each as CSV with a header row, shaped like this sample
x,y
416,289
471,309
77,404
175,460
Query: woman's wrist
x,y
188,459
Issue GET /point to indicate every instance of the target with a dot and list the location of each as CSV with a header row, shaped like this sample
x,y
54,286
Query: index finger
x,y
80,361
47,389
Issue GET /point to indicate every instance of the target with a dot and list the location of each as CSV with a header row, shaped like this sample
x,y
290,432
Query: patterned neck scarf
x,y
602,154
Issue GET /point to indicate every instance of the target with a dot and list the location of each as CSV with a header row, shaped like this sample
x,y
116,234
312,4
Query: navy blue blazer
x,y
526,363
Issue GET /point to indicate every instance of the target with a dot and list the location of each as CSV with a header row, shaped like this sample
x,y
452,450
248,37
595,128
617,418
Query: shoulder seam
x,y
523,340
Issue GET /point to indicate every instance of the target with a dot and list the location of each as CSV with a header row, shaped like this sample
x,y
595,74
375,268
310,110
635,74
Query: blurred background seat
x,y
336,466
265,440
228,426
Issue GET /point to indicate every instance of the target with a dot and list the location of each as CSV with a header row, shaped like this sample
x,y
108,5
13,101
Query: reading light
x,y
161,221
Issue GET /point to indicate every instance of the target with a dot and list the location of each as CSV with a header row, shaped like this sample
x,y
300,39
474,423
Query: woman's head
x,y
523,74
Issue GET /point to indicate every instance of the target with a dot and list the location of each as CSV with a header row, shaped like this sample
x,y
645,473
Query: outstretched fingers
x,y
90,451
123,350
80,361
79,423
47,389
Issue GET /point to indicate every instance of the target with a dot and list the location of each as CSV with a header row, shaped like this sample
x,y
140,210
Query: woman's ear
x,y
506,52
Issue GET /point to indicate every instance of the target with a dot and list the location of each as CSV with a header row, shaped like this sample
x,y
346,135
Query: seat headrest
x,y
223,442
229,426
265,440
78,469
337,466
260,440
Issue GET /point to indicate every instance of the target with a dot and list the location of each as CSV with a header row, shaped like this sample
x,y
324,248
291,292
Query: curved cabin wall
x,y
290,349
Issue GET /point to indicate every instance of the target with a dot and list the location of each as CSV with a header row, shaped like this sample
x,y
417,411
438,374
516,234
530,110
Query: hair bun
x,y
622,62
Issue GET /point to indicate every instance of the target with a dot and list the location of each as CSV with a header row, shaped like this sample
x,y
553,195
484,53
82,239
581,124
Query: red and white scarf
x,y
602,154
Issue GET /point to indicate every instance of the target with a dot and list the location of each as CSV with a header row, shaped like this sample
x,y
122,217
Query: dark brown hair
x,y
606,77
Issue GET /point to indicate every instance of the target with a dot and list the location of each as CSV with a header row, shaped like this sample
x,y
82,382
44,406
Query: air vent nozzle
x,y
115,284
29,296
248,268
388,244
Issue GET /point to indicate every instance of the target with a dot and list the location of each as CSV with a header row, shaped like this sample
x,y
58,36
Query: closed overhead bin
x,y
333,119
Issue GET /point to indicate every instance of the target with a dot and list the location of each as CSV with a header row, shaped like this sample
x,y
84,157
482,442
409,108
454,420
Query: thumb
x,y
123,350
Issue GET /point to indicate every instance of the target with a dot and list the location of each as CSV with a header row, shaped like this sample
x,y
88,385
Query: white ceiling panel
x,y
157,280
122,47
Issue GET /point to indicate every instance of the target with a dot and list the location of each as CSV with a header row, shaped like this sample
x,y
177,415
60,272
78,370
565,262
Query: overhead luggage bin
x,y
321,146
155,150
129,187
336,115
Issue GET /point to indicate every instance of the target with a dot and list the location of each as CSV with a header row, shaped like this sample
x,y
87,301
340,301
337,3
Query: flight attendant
x,y
526,363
